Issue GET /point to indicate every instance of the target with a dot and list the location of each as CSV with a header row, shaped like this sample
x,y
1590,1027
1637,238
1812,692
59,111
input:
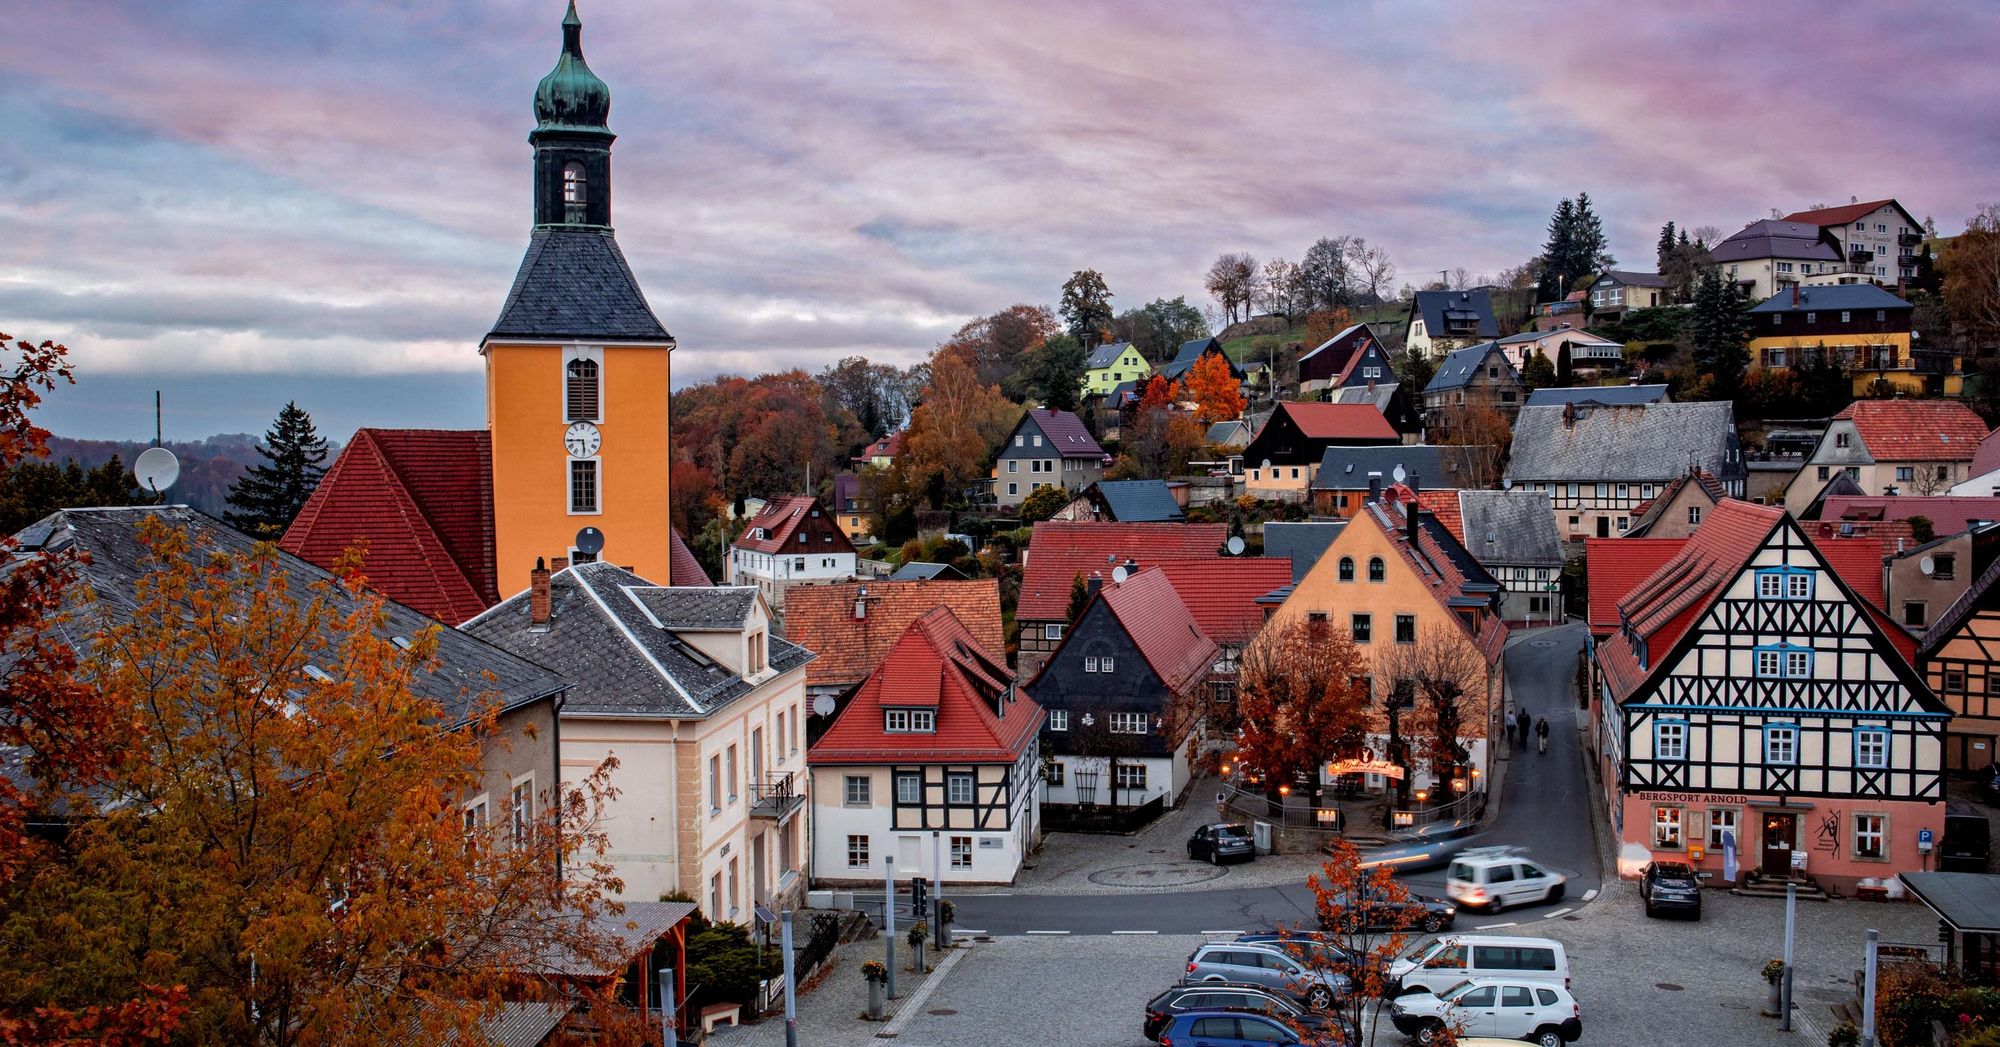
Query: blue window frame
x,y
1781,743
1784,583
1781,661
1670,739
1871,748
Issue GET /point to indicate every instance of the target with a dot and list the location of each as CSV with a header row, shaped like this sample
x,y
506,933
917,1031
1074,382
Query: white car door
x,y
1477,1010
1531,883
1518,1014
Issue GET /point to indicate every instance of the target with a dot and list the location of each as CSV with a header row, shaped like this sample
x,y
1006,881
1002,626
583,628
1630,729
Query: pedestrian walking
x,y
1512,723
1542,734
1526,722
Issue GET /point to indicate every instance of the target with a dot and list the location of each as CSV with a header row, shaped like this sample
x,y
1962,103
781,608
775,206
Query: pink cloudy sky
x,y
246,202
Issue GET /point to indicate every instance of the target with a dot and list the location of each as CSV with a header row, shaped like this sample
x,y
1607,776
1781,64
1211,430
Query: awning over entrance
x,y
1970,902
1381,767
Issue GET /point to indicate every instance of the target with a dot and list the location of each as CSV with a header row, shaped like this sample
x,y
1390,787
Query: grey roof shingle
x,y
1647,442
1633,278
1105,355
1833,296
1772,238
1431,307
602,636
1140,501
1348,468
1377,394
1302,541
467,666
1458,369
1510,527
922,572
574,283
1598,394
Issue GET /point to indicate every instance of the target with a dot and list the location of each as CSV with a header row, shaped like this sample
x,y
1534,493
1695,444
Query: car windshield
x,y
1451,991
1421,949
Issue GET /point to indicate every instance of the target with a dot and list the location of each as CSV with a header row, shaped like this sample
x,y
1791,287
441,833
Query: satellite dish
x,y
156,469
1506,485
590,541
1267,463
1119,574
823,705
1398,474
1235,545
1927,565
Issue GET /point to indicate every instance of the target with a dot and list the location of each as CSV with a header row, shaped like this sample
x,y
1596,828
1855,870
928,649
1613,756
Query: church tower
x,y
577,371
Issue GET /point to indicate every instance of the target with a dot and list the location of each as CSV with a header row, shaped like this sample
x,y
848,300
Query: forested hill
x,y
208,466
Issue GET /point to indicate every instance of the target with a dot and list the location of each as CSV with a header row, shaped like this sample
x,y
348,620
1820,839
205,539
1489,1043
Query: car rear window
x,y
1547,996
1231,831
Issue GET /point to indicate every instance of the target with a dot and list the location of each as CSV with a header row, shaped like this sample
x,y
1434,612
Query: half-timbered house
x,y
932,760
1062,551
1960,659
1752,699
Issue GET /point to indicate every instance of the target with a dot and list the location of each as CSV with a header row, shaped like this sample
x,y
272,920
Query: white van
x,y
1442,962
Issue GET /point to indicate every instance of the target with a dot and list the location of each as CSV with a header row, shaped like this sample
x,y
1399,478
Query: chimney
x,y
1374,488
538,595
1416,487
1569,416
861,603
1095,583
1795,296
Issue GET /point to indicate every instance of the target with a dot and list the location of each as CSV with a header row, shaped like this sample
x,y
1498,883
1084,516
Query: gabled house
x,y
1192,352
1121,694
1388,398
1960,659
1985,469
851,511
1771,257
851,626
1751,701
1619,291
1125,501
1878,239
1677,511
1513,536
1060,552
1861,327
1470,378
1404,590
1441,321
705,710
1920,447
935,759
1111,365
1599,463
1223,596
1229,434
1346,475
1922,580
882,453
918,571
1586,350
1048,448
1352,357
791,541
1280,460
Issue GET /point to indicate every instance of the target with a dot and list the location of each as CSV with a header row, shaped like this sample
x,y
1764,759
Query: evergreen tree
x,y
1538,373
1663,254
1565,367
1079,599
1719,331
268,495
33,489
1557,252
1588,241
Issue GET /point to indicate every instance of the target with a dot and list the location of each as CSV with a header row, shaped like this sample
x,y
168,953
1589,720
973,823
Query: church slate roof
x,y
574,284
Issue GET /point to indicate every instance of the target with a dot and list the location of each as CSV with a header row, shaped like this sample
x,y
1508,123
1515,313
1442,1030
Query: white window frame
x,y
914,794
1870,825
864,796
965,796
1130,777
1786,755
1721,820
961,852
596,464
1052,631
1670,740
857,851
1669,827
1871,748
1126,722
595,355
521,808
1058,719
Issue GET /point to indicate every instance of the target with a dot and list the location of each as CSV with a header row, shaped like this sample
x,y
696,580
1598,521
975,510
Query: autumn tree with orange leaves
x,y
954,431
276,849
1217,395
1301,701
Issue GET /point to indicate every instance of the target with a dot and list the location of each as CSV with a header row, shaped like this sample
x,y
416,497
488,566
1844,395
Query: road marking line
x,y
1589,894
1553,915
1135,932
956,931
914,1005
1046,932
1481,927
1222,932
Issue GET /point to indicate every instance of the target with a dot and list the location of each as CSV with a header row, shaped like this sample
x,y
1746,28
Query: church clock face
x,y
582,440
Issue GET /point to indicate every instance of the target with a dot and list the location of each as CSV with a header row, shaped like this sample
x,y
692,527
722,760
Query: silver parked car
x,y
1265,965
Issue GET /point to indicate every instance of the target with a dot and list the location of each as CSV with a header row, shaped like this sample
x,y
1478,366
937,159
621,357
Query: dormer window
x,y
757,659
909,721
574,184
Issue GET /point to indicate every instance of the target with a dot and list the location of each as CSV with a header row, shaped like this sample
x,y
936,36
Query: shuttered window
x,y
580,391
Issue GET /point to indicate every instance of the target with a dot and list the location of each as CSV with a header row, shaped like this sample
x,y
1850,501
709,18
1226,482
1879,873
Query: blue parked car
x,y
1223,1029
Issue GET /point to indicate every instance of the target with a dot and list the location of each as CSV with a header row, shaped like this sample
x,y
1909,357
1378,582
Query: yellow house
x,y
1406,592
1113,365
577,369
1860,326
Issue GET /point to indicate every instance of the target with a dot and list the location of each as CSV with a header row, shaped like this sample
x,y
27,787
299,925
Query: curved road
x,y
1543,809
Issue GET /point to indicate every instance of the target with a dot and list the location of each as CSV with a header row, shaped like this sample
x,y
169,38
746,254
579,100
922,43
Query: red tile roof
x,y
681,561
1322,421
1615,567
887,447
1066,433
1163,629
1662,607
1987,458
1062,551
421,500
1841,215
779,518
1916,430
821,619
1444,505
1222,594
1948,513
1858,562
935,662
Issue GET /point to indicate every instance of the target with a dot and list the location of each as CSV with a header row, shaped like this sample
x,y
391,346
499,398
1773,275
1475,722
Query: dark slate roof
x,y
1190,353
1433,305
1379,394
1653,442
1064,430
1230,433
1348,468
1104,355
1301,541
574,283
466,668
602,636
1598,394
1967,901
923,572
1458,369
1631,278
1831,297
1140,501
1771,238
1510,527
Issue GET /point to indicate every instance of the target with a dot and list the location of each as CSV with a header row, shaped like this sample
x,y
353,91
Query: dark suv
x,y
1221,842
1242,998
1670,887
